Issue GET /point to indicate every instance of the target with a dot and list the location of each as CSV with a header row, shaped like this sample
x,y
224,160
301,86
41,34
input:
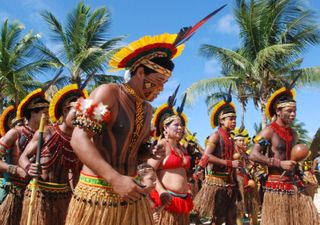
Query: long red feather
x,y
186,32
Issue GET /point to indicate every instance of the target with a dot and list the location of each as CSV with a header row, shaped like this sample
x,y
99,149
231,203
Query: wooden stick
x,y
34,182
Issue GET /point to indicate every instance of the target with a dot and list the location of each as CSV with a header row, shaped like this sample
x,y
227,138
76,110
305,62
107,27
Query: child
x,y
147,177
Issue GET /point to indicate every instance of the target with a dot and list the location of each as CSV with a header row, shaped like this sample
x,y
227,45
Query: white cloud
x,y
227,25
212,67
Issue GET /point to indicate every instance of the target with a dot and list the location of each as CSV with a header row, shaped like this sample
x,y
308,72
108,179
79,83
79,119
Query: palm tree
x,y
20,61
274,34
302,132
83,45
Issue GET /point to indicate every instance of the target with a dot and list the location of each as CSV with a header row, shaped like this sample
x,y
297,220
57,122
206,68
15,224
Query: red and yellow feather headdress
x,y
167,112
223,109
5,119
63,96
273,101
28,102
149,47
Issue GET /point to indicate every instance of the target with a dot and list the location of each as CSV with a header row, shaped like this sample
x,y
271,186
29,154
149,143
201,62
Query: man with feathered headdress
x,y
113,125
217,197
12,145
284,202
59,166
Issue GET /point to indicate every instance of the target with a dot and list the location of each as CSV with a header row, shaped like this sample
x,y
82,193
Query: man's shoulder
x,y
110,87
105,92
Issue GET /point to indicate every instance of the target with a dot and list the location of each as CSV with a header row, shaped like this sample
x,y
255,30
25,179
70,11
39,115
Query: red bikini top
x,y
174,161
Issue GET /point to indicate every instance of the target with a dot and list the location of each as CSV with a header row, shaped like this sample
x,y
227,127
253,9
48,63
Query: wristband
x,y
274,162
12,169
229,163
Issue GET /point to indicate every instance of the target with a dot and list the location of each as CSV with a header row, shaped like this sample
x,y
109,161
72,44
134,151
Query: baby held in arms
x,y
147,178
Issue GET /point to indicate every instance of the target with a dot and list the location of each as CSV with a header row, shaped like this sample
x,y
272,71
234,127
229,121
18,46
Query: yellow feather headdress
x,y
167,111
28,102
273,101
148,47
5,119
63,96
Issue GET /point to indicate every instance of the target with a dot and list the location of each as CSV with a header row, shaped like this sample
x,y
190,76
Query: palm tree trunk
x,y
263,117
242,114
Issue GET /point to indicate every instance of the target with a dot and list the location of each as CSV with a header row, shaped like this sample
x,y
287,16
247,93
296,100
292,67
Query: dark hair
x,y
161,61
27,113
227,110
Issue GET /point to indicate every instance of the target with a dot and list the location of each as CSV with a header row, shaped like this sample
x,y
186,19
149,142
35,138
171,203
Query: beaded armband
x,y
3,149
261,141
210,143
90,115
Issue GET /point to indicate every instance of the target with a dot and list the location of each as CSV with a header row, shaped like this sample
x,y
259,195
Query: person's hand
x,y
288,165
165,198
34,170
236,163
198,174
128,189
158,151
21,173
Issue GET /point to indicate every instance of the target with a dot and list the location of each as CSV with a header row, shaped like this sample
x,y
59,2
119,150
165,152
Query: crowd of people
x,y
109,159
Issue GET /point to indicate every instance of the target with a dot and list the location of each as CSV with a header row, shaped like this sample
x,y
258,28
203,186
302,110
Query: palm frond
x,y
224,54
203,87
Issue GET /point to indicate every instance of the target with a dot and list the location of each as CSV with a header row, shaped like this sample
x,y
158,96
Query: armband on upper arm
x,y
261,141
90,115
210,144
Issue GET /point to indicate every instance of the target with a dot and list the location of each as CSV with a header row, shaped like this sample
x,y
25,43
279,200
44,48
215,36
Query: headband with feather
x,y
282,97
222,109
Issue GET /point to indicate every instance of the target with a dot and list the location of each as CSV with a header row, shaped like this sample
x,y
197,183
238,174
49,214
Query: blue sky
x,y
136,18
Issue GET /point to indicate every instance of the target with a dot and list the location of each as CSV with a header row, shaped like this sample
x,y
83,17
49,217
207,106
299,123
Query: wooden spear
x,y
34,182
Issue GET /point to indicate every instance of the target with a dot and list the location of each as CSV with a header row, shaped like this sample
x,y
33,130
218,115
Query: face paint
x,y
152,85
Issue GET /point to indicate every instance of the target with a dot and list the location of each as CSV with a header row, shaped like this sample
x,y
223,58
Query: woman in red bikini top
x,y
172,184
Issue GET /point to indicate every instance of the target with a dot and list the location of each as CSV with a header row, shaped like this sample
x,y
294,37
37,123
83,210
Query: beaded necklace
x,y
139,116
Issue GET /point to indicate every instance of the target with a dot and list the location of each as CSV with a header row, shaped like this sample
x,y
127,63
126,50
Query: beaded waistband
x,y
223,175
285,184
92,180
50,186
220,181
16,182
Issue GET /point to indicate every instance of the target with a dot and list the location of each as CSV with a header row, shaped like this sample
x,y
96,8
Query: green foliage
x,y
83,44
273,34
20,61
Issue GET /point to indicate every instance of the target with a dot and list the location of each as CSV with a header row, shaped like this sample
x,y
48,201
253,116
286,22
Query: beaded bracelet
x,y
229,163
12,169
274,162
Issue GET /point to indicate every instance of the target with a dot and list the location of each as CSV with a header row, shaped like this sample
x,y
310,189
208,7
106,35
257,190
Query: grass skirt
x,y
94,203
169,218
50,205
290,207
215,199
10,209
